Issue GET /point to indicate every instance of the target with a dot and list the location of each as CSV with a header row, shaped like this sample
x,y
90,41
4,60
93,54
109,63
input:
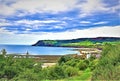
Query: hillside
x,y
77,42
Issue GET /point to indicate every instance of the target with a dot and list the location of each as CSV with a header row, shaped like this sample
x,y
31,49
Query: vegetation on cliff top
x,y
86,42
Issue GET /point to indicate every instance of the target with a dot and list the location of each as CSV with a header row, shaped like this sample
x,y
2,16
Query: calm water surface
x,y
37,50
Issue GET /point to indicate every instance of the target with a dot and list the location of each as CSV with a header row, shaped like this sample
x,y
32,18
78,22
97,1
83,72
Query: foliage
x,y
82,43
82,65
71,71
108,67
82,76
18,68
50,42
69,68
56,73
64,59
3,52
93,64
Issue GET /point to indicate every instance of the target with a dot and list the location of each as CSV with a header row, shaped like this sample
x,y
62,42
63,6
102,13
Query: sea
x,y
37,50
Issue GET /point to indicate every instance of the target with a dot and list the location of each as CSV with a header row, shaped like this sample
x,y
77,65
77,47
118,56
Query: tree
x,y
108,67
71,71
64,59
56,72
82,65
3,52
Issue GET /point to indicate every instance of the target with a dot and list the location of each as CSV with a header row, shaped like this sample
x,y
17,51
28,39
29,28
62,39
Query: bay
x,y
37,50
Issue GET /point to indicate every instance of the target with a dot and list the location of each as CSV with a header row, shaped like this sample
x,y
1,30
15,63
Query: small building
x,y
88,52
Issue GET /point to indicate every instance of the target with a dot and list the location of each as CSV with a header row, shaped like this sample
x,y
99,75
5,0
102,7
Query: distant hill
x,y
63,42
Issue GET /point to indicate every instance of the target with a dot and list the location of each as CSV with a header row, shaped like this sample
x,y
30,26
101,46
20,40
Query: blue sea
x,y
37,50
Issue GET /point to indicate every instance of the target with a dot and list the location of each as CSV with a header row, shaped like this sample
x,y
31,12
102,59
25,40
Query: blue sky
x,y
27,21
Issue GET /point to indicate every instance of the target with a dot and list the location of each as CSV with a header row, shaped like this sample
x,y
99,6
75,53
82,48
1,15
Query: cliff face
x,y
60,42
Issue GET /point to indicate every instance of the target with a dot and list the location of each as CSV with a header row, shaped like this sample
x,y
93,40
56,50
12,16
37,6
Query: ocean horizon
x,y
37,50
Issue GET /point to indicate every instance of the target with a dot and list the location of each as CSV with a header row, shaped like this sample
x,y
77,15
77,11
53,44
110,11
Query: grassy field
x,y
90,44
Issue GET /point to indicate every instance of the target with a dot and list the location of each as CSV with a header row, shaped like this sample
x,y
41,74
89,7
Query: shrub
x,y
82,65
64,59
71,71
55,72
108,67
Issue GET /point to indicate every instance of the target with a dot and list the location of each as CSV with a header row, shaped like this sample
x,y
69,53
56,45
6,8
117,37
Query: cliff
x,y
62,42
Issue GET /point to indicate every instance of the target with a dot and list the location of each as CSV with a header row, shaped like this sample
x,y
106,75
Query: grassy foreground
x,y
83,76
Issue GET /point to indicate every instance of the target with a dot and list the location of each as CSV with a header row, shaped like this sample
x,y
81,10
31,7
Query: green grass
x,y
90,44
82,76
83,43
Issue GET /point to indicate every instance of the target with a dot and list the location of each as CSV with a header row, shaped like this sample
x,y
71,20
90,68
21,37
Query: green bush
x,y
93,64
82,65
56,72
27,75
71,71
108,67
64,59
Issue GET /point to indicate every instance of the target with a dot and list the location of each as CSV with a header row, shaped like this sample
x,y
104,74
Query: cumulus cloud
x,y
90,7
27,7
57,19
37,6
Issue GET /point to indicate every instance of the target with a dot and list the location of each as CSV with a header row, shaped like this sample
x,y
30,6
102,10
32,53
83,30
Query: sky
x,y
27,21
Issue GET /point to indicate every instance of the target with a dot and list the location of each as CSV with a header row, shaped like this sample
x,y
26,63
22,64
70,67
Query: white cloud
x,y
3,31
34,24
4,22
57,27
92,32
26,7
34,37
35,21
103,22
37,6
85,22
91,6
115,9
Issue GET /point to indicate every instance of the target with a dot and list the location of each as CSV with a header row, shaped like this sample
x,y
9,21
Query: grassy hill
x,y
79,42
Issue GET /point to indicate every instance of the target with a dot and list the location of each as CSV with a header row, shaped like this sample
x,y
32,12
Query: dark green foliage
x,y
27,75
37,67
71,71
64,59
92,58
108,67
93,64
82,65
50,42
18,68
56,72
3,52
72,62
